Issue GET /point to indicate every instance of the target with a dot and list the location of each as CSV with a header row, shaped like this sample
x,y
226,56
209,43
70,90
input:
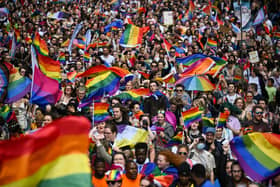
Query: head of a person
x,y
48,118
113,178
154,86
236,172
144,121
99,168
136,107
249,97
253,87
100,127
128,86
68,90
262,102
179,90
117,112
39,114
240,103
81,92
115,100
131,170
161,117
183,151
200,144
257,112
228,167
270,82
184,173
231,87
210,134
198,173
106,51
165,158
141,150
119,159
110,131
219,132
128,153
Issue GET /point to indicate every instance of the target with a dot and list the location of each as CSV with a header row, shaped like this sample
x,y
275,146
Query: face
x,y
179,91
117,113
194,126
81,94
136,108
210,137
262,104
153,87
236,173
249,97
109,136
119,160
228,168
219,133
162,162
141,155
239,104
145,183
131,171
99,170
161,118
231,88
183,153
100,127
128,86
258,114
47,119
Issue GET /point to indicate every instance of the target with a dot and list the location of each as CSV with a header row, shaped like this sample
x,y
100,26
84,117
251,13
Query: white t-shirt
x,y
109,59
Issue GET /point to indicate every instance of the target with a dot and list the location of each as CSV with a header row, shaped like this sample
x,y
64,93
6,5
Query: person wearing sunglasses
x,y
257,124
184,96
183,152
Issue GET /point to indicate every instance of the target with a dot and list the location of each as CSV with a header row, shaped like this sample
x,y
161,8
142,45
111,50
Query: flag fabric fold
x,y
132,36
42,158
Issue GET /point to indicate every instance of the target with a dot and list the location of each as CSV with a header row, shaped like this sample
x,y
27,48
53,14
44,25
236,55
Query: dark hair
x,y
255,108
129,162
111,126
118,153
199,171
180,85
184,169
98,160
183,146
141,145
153,81
236,163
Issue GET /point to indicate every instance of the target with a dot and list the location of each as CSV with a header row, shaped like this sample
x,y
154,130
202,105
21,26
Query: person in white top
x,y
106,57
231,95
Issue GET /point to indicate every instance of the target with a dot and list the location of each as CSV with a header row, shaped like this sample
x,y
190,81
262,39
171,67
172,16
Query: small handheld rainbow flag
x,y
212,43
223,117
132,36
41,45
86,57
190,116
258,154
236,78
71,76
65,43
175,140
100,113
61,58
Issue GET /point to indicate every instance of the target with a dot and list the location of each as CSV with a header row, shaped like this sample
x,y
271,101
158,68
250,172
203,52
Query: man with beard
x,y
237,176
98,179
131,177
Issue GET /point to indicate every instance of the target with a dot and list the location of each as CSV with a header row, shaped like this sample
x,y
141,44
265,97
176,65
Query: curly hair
x,y
172,158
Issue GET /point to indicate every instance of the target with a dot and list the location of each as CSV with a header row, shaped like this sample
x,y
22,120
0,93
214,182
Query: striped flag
x,y
132,36
190,116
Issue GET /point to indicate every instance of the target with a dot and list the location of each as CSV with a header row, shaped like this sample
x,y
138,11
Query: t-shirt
x,y
99,182
271,91
129,183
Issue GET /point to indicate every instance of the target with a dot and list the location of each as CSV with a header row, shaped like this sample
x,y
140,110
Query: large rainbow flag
x,y
258,154
190,116
134,94
49,67
44,90
18,86
175,140
199,67
132,36
101,112
42,158
41,45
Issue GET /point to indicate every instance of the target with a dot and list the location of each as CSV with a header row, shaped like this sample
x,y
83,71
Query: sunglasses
x,y
178,90
182,153
259,112
161,112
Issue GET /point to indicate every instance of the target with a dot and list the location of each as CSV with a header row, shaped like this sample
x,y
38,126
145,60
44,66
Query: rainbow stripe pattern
x,y
223,117
190,116
199,67
217,68
175,140
134,94
49,67
86,57
18,86
41,45
22,163
101,112
212,43
132,36
61,58
258,154
71,76
65,43
44,90
200,83
7,113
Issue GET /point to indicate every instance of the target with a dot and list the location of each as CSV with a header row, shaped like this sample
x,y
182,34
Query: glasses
x,y
259,112
112,182
178,90
236,171
161,112
182,153
249,96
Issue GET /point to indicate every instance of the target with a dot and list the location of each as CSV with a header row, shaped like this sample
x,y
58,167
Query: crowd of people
x,y
204,157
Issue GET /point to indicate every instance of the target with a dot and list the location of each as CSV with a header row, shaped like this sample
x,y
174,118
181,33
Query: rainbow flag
x,y
167,79
65,43
17,33
41,45
189,13
223,117
60,144
175,140
49,67
132,36
4,81
258,154
190,116
207,9
217,68
199,67
145,75
211,43
18,86
71,76
7,114
61,58
276,35
189,60
207,122
86,57
113,25
28,40
79,43
44,90
134,94
100,112
128,135
237,78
